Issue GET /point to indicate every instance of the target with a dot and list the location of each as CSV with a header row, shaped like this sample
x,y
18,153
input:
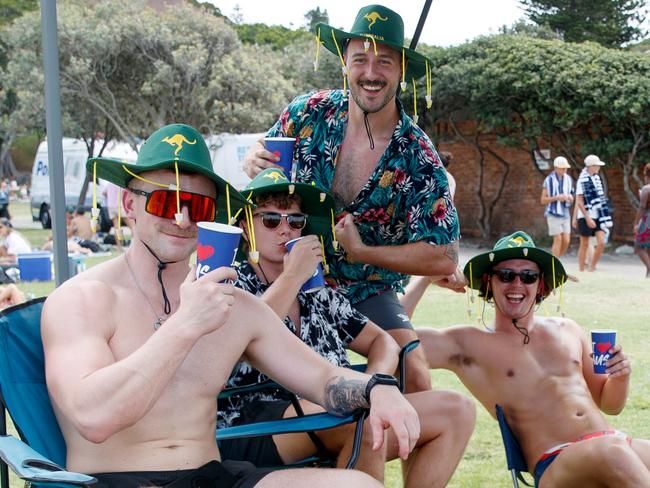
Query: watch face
x,y
379,379
388,379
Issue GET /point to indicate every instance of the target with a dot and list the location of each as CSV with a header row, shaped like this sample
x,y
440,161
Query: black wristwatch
x,y
379,379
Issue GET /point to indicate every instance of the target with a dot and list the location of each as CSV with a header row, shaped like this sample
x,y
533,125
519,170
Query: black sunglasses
x,y
506,275
272,219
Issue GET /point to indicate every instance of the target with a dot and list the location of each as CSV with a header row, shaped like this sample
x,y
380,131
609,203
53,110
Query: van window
x,y
73,166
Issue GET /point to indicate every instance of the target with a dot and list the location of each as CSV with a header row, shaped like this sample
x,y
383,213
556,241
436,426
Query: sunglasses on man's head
x,y
272,219
162,203
505,275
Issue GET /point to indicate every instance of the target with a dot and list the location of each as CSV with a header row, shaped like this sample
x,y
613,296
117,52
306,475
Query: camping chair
x,y
321,421
514,456
41,456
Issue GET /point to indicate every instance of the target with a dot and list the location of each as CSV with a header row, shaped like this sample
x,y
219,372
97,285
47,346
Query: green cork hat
x,y
381,25
174,147
315,202
518,245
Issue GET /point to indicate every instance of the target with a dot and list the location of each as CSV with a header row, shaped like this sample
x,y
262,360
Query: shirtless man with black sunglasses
x,y
540,370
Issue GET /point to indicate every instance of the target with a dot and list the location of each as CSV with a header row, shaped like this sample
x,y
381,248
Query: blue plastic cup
x,y
602,341
283,147
216,247
316,281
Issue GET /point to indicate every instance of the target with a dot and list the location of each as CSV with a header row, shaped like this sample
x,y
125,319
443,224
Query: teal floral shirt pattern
x,y
406,199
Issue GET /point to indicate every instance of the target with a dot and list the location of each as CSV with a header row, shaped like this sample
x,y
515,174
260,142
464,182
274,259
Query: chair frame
x,y
32,466
515,459
321,458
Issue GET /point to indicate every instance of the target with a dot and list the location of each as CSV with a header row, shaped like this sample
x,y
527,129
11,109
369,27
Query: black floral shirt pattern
x,y
328,324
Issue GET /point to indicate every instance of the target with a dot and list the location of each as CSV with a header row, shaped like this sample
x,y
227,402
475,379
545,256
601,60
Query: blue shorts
x,y
549,456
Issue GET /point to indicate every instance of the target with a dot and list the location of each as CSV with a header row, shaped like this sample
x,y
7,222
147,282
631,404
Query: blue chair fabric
x,y
24,394
42,452
514,456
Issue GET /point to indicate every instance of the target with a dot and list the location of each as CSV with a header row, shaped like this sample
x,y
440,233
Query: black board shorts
x,y
215,474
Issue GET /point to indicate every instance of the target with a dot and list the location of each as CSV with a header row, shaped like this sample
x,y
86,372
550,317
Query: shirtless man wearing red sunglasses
x,y
137,349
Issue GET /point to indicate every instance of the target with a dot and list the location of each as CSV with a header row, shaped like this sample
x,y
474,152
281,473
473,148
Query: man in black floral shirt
x,y
326,321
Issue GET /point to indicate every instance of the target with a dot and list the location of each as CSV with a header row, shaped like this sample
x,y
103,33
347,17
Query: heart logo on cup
x,y
204,252
603,347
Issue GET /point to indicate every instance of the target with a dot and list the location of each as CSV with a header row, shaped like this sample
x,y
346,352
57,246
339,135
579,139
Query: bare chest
x,y
354,167
496,368
203,370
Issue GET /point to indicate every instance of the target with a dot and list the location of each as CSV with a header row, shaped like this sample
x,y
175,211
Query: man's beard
x,y
358,100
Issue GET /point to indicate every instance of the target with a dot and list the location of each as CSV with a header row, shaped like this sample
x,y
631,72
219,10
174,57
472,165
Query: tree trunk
x,y
7,166
630,169
506,170
482,221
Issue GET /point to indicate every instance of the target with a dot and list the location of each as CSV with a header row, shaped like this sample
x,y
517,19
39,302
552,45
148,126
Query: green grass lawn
x,y
599,301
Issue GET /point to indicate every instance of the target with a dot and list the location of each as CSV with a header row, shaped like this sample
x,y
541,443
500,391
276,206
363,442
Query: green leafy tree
x,y
579,98
206,6
314,16
9,10
276,36
299,61
249,90
140,70
523,28
12,9
125,76
611,23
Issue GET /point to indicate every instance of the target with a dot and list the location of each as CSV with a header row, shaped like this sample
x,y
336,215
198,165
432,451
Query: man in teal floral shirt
x,y
394,212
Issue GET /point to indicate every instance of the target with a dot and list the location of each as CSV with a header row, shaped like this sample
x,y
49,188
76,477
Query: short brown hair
x,y
281,199
646,170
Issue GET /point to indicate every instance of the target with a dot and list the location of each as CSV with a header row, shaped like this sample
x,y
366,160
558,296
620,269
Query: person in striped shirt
x,y
557,195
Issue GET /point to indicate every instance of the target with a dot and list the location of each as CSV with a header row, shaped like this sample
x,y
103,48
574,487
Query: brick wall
x,y
519,207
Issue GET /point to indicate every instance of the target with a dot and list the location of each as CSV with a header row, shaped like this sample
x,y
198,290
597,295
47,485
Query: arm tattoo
x,y
451,251
343,396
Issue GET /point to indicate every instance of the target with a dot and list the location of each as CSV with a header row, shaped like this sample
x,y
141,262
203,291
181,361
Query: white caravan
x,y
227,152
75,155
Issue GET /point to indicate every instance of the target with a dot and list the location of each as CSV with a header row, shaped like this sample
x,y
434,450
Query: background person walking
x,y
642,223
557,195
593,214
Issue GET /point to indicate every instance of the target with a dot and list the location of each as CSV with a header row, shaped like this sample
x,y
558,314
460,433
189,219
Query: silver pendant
x,y
157,324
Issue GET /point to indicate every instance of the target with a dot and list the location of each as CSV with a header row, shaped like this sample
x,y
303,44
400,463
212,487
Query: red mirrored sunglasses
x,y
162,203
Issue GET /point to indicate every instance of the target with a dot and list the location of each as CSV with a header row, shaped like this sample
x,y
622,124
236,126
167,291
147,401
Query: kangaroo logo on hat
x,y
275,176
373,17
517,242
177,141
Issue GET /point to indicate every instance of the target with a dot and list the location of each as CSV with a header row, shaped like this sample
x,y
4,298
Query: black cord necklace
x,y
522,330
159,320
266,280
161,267
366,122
